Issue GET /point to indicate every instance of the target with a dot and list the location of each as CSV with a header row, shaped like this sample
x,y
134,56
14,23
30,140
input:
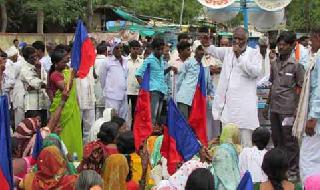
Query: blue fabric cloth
x,y
186,142
188,80
246,182
5,142
314,100
38,145
157,78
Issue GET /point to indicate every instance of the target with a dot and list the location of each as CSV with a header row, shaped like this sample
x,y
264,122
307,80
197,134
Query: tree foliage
x,y
302,15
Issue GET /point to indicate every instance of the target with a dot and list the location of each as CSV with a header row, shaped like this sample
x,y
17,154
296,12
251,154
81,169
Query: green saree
x,y
70,119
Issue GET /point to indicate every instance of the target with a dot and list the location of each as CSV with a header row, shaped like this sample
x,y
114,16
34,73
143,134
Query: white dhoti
x,y
121,107
310,156
88,119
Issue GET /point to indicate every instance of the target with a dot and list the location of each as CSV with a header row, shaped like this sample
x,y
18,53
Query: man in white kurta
x,y
235,100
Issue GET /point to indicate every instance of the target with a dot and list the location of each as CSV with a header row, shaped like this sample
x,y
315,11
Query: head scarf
x,y
25,134
52,171
93,157
230,134
115,172
312,183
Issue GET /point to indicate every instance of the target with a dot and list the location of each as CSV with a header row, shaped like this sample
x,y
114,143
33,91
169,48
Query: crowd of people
x,y
87,123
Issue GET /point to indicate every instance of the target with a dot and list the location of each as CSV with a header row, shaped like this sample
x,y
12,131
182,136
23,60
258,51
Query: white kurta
x,y
236,97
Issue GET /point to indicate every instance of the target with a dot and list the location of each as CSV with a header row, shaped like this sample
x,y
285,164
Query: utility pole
x,y
244,8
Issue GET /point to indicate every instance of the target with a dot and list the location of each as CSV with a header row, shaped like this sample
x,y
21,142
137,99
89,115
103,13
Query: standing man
x,y
287,79
309,106
86,100
113,78
235,99
188,80
101,60
44,60
134,62
158,86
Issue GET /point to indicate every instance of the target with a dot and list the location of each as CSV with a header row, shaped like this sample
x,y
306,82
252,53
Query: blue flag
x,y
6,172
38,145
246,182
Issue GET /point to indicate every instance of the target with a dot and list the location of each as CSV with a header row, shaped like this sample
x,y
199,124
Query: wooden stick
x,y
70,79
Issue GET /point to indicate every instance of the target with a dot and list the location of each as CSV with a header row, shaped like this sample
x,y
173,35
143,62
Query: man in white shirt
x,y
134,62
113,79
86,100
101,60
11,72
29,92
235,100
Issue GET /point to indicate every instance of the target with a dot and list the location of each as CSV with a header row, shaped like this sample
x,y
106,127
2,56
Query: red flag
x,y
198,114
142,126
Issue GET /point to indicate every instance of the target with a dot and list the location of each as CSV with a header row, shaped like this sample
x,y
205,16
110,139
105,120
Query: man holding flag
x,y
194,85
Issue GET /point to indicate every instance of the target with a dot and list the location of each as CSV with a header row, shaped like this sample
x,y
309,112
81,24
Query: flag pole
x,y
70,78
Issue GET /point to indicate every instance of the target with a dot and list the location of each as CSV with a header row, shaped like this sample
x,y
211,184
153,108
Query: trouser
x,y
99,112
133,100
18,116
156,106
42,113
213,128
282,138
88,118
120,106
184,109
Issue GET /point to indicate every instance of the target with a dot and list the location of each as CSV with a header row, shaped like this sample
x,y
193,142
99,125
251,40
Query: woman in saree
x,y
225,159
52,172
70,119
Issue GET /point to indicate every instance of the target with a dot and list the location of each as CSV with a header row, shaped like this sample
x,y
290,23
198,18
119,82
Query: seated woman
x,y
52,172
225,159
89,180
93,157
107,137
275,165
115,172
250,158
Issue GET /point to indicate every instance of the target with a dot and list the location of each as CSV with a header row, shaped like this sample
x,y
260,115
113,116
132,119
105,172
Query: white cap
x,y
12,51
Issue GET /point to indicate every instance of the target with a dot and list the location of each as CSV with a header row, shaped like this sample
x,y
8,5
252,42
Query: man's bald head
x,y
240,31
224,42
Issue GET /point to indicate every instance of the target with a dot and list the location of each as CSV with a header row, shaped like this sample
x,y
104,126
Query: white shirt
x,y
251,159
133,85
85,91
209,60
236,99
177,63
101,60
10,75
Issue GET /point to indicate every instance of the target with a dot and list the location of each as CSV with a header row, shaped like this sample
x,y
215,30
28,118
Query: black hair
x,y
125,142
14,41
108,132
33,114
200,179
125,50
118,120
157,43
39,45
134,43
203,29
27,52
261,137
102,48
3,54
64,47
183,36
288,37
183,45
275,165
303,38
56,56
200,47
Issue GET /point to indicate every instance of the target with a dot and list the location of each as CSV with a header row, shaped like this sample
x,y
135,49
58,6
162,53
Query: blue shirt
x,y
314,101
188,80
157,78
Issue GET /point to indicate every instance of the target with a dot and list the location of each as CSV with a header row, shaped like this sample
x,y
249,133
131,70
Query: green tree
x,y
4,15
302,15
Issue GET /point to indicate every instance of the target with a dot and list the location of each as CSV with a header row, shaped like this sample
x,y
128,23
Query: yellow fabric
x,y
137,170
26,183
115,172
231,134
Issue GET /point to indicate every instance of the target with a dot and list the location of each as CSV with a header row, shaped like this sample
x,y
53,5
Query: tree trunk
x,y
4,16
90,15
40,21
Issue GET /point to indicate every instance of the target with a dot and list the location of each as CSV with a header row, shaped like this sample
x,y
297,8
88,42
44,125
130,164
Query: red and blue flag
x,y
83,51
142,126
179,142
198,114
6,172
